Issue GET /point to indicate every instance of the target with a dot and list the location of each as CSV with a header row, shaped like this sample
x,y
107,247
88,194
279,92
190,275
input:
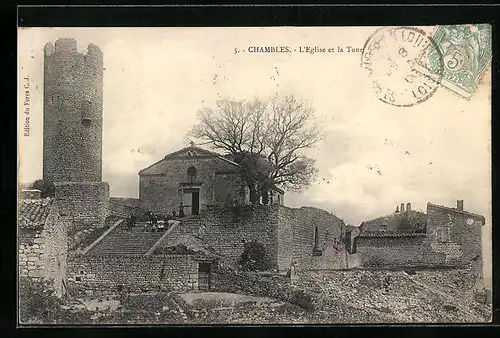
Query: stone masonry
x,y
133,273
42,243
161,184
72,135
287,234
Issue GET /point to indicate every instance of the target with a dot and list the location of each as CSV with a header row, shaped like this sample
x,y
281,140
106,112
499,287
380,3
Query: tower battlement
x,y
68,46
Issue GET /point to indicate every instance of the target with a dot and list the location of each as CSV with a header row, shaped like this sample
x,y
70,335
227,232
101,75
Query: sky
x,y
374,157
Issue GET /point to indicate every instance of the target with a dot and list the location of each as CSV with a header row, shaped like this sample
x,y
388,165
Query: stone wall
x,y
133,273
300,247
271,285
130,201
226,230
123,210
286,233
161,192
43,253
84,202
389,251
463,243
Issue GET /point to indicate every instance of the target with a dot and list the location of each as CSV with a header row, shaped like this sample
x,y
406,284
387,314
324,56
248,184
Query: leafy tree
x,y
266,137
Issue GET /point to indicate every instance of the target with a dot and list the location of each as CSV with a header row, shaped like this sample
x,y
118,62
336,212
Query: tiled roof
x,y
33,213
158,167
391,234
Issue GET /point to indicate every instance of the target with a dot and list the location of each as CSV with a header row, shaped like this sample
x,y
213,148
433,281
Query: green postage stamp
x,y
465,51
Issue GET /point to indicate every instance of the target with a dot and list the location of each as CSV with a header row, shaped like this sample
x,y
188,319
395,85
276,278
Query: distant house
x,y
444,236
399,222
196,177
42,240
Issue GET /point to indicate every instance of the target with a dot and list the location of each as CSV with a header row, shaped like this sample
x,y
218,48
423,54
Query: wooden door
x,y
204,276
195,202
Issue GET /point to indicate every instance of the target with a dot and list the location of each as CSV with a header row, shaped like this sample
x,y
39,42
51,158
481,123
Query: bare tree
x,y
266,138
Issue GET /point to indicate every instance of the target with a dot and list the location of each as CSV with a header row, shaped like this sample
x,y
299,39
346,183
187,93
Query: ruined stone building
x,y
72,130
443,237
42,241
196,177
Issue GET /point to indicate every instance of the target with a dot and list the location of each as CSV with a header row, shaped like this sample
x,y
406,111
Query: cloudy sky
x,y
374,157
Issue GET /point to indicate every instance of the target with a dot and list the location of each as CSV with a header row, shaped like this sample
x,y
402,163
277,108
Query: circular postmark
x,y
397,59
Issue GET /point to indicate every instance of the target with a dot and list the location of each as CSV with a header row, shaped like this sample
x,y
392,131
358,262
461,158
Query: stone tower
x,y
72,130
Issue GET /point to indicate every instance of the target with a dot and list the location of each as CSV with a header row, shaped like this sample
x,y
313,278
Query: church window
x,y
191,172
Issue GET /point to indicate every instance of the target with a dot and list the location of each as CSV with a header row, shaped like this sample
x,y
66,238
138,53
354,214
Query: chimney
x,y
460,205
397,209
402,207
408,207
30,194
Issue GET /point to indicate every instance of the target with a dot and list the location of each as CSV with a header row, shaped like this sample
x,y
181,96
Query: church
x,y
193,178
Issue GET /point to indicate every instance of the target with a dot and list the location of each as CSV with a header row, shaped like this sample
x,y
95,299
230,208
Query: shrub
x,y
47,188
37,302
39,305
302,299
254,257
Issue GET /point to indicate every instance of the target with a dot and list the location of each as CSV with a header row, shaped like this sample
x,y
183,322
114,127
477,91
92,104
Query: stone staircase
x,y
124,242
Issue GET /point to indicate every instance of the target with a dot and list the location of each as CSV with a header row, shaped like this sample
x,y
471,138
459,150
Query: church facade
x,y
194,178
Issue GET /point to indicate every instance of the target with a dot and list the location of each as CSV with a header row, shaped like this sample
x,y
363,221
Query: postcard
x,y
258,175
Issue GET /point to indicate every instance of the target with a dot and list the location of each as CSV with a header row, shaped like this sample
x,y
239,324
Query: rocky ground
x,y
382,296
338,297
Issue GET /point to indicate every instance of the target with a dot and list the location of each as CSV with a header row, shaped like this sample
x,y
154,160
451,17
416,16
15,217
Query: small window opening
x,y
86,122
78,279
442,235
316,250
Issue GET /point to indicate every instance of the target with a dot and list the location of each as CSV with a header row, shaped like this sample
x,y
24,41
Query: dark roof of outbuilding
x,y
194,245
404,222
33,213
391,234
